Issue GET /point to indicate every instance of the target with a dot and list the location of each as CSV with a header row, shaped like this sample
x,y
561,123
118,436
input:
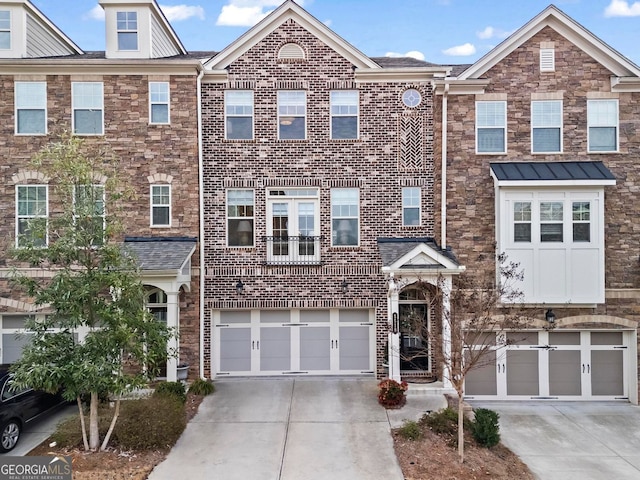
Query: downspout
x,y
443,194
201,214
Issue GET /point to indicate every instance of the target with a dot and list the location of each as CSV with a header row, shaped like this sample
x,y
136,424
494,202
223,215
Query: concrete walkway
x,y
286,429
572,441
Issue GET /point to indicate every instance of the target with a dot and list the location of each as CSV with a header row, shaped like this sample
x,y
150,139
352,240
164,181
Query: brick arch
x,y
596,319
160,178
25,175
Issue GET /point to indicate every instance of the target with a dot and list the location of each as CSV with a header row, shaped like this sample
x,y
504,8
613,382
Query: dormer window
x,y
5,30
127,27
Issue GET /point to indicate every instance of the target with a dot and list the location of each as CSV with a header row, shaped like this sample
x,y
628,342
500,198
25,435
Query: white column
x,y
393,338
445,285
173,322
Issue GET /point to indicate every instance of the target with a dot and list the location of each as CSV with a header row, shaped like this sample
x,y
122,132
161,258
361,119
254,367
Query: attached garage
x,y
294,342
558,365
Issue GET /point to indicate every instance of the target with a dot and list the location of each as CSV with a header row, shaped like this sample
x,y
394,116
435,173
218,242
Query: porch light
x,y
344,286
550,316
239,287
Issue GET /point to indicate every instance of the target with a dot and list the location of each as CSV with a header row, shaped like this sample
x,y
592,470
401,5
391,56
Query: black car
x,y
19,407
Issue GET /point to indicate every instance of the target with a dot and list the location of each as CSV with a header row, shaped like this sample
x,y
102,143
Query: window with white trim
x,y
160,205
127,30
602,119
546,126
521,221
89,213
32,211
159,102
5,30
581,221
240,218
410,206
238,111
31,108
88,111
344,114
345,217
491,127
292,115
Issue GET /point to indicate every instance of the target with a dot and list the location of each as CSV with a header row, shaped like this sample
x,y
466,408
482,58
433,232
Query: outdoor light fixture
x,y
240,287
394,326
550,316
344,285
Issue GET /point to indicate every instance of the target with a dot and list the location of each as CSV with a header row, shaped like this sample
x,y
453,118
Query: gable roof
x,y
553,17
159,254
416,254
289,10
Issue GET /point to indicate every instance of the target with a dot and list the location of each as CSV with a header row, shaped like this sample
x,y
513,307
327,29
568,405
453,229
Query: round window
x,y
411,97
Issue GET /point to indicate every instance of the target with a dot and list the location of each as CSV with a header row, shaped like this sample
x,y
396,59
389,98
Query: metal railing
x,y
288,250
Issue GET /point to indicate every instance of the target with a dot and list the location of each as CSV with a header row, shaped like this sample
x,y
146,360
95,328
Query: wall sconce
x,y
239,287
394,325
344,286
550,317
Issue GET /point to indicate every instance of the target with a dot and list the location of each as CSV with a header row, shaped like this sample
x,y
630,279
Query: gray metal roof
x,y
158,253
391,249
551,171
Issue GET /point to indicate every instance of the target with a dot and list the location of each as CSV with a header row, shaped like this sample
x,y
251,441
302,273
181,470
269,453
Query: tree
x,y
89,285
476,308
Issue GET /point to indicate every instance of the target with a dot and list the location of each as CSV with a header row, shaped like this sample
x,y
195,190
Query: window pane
x,y
31,121
160,113
239,128
491,140
292,128
411,216
581,211
160,215
88,122
551,211
344,128
491,114
5,40
551,232
240,232
127,40
546,140
159,92
345,214
546,114
87,95
581,232
346,231
240,228
522,211
522,232
602,139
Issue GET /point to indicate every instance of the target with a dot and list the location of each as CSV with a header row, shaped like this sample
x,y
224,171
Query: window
x,y
551,221
5,30
293,227
546,126
345,213
31,215
87,105
522,221
602,117
89,213
159,102
344,114
127,28
410,206
491,125
581,217
292,111
31,108
238,109
240,204
160,205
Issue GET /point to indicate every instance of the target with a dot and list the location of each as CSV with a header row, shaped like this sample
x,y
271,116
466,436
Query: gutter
x,y
201,214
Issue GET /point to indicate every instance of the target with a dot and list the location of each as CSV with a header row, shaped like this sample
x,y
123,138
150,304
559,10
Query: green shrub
x,y
154,422
410,430
171,389
485,428
442,421
201,387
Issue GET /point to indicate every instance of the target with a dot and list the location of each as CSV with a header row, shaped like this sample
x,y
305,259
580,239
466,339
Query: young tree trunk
x,y
82,424
105,442
94,433
460,427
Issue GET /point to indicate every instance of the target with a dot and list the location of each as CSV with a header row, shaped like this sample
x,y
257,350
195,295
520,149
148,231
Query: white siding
x,y
41,43
161,43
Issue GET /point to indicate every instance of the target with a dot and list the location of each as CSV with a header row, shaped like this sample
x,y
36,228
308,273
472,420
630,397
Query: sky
x,y
438,31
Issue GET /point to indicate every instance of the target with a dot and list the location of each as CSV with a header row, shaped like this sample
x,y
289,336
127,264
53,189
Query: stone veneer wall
x,y
143,150
371,163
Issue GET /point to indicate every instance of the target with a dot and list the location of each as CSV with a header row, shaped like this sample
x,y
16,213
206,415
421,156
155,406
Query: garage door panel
x,y
315,352
483,379
354,347
235,349
522,373
564,372
607,372
275,348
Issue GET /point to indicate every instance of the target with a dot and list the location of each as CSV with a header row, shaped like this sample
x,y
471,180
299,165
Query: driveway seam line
x,y
286,430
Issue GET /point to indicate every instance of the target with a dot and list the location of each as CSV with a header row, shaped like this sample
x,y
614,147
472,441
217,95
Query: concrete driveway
x,y
286,429
572,440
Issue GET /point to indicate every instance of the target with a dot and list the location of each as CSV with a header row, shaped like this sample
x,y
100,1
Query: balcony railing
x,y
287,250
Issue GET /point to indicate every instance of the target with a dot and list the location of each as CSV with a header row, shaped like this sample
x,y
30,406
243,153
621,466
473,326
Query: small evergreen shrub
x,y
171,389
201,387
442,421
391,393
485,427
410,430
154,422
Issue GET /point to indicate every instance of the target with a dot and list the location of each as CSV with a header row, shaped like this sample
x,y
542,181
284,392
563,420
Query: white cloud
x,y
246,13
96,13
622,8
491,32
182,12
461,50
412,54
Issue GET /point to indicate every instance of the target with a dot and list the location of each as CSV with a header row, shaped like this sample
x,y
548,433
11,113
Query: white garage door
x,y
564,365
294,342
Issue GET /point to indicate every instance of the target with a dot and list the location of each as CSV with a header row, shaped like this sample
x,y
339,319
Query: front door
x,y
414,332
